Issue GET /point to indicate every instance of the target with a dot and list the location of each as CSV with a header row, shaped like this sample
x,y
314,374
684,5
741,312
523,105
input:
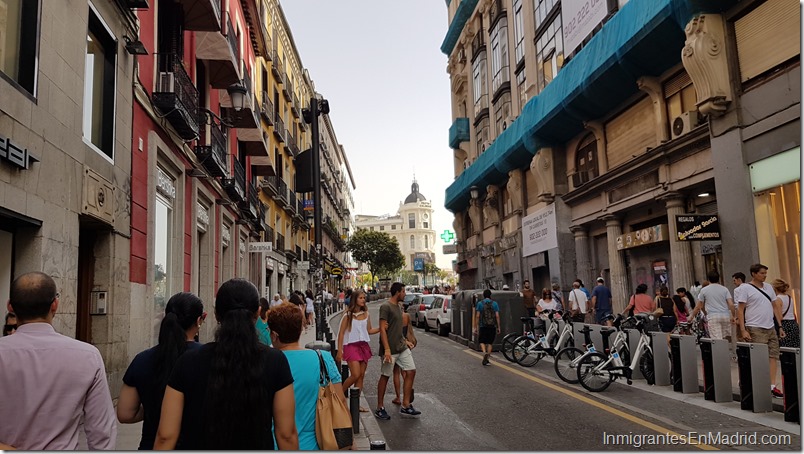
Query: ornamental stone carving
x,y
514,188
491,205
542,168
653,87
474,215
704,58
457,226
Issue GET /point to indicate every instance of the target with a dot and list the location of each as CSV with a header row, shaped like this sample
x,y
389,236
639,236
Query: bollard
x,y
790,360
354,408
332,348
685,367
633,341
661,361
377,445
578,335
597,338
716,360
344,372
754,373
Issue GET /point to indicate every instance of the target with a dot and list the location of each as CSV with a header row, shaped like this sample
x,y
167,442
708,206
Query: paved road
x,y
466,406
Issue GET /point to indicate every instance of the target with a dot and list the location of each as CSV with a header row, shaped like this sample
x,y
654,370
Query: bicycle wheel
x,y
646,367
563,364
508,345
525,354
590,377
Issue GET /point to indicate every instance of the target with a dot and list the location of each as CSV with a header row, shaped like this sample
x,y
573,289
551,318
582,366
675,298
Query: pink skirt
x,y
358,351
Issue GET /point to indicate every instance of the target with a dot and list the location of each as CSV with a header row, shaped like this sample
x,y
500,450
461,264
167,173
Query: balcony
x,y
459,132
276,188
267,109
300,213
279,245
290,202
295,108
287,87
291,146
262,166
260,223
270,186
278,67
202,15
478,43
176,97
221,53
279,130
250,206
212,154
235,185
269,234
247,121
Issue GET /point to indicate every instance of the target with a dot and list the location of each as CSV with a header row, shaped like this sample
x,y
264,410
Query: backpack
x,y
489,316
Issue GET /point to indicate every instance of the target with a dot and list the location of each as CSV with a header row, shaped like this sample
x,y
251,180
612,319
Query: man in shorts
x,y
715,301
395,351
487,324
601,302
757,309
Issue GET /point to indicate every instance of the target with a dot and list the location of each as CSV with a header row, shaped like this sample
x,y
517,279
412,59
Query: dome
x,y
415,195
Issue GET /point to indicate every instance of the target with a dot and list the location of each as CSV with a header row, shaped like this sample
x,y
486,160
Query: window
x,y
99,86
426,242
499,55
19,39
411,221
586,159
412,242
382,228
371,229
393,227
479,82
426,225
542,10
521,87
163,232
549,53
519,32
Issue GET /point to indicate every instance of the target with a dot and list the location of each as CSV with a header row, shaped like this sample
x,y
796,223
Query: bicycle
x,y
597,371
529,351
568,358
509,341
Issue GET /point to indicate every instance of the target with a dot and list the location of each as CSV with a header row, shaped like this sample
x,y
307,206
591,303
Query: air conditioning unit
x,y
508,122
167,83
685,123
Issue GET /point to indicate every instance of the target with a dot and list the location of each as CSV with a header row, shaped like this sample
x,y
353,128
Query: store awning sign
x,y
697,227
648,235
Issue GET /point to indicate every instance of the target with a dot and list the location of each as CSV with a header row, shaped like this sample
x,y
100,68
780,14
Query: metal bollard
x,y
578,335
790,360
344,372
354,408
377,445
332,348
754,373
685,366
661,360
716,360
633,340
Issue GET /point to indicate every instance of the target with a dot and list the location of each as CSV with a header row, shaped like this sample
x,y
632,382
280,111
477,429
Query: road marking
x,y
592,402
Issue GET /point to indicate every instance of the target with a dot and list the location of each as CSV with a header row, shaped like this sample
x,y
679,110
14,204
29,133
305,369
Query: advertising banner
x,y
539,231
697,227
579,18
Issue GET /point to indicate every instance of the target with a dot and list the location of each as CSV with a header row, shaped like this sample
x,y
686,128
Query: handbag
x,y
333,422
775,323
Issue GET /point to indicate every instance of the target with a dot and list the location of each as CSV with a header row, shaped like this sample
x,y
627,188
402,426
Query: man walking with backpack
x,y
487,324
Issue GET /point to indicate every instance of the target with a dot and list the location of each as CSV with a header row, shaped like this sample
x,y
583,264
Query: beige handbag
x,y
333,422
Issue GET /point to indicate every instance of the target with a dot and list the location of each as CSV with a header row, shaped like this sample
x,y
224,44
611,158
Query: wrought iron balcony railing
x,y
231,38
176,96
267,109
235,185
211,151
279,129
249,206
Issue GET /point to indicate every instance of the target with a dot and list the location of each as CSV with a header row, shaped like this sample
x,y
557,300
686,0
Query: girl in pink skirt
x,y
353,340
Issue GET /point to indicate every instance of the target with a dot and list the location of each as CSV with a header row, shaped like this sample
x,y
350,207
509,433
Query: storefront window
x,y
162,229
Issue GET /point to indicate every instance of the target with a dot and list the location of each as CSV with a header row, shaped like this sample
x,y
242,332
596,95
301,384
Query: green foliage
x,y
378,250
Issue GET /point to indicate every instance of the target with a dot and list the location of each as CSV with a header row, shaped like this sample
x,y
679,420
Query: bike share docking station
x,y
790,361
633,341
685,365
754,373
716,360
661,362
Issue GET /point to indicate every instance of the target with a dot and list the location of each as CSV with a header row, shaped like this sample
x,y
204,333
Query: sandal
x,y
364,410
396,401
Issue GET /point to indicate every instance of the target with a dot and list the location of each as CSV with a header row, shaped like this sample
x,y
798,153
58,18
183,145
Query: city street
x,y
466,406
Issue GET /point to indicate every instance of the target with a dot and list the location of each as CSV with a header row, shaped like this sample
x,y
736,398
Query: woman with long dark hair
x,y
309,307
227,394
668,318
353,340
145,380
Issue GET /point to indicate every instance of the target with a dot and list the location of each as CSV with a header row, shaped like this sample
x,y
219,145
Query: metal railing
x,y
267,108
173,79
282,188
279,128
232,38
291,200
280,243
269,234
239,175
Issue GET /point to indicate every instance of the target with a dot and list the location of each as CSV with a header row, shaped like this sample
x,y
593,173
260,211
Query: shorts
x,y
668,323
404,360
720,325
600,316
765,336
486,335
357,351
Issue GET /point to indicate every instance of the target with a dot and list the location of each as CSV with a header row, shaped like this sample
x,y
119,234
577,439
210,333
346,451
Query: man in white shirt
x,y
715,301
738,279
758,306
577,299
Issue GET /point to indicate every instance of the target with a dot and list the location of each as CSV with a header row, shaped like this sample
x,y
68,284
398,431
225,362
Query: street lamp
x,y
237,93
474,192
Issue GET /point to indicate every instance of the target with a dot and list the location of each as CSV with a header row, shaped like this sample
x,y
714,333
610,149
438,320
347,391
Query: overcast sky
x,y
379,65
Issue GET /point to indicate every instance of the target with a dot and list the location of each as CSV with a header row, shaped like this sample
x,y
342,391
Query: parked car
x,y
409,297
439,316
418,308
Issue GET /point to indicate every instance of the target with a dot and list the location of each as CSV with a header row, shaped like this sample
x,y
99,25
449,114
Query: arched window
x,y
412,242
586,160
426,242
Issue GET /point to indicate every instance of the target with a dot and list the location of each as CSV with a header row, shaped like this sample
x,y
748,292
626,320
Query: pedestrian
x,y
666,306
684,295
528,298
276,301
738,279
52,384
640,301
395,351
584,289
487,324
309,308
695,291
146,377
758,308
681,308
578,303
547,302
227,394
715,301
263,331
399,374
10,327
792,337
305,368
558,297
341,298
601,302
353,340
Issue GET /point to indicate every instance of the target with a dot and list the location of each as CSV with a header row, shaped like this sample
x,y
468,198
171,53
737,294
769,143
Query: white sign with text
x,y
539,231
579,18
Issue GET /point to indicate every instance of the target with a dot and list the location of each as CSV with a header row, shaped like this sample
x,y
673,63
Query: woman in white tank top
x,y
353,340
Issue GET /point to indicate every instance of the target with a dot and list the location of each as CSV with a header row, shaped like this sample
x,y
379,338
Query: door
x,y
86,278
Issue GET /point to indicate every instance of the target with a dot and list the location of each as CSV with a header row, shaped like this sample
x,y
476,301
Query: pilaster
x,y
653,88
582,253
619,281
680,251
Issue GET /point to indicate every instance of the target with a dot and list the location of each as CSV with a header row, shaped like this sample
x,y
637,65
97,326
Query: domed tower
x,y
415,195
417,237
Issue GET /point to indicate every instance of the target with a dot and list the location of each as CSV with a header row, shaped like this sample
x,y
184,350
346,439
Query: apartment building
x,y
623,139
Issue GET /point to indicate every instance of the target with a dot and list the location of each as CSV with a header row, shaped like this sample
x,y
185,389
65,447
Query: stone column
x,y
680,251
583,257
619,281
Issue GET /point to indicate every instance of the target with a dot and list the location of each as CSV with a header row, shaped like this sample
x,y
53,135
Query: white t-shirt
x,y
715,297
738,294
309,302
758,309
275,303
548,306
787,303
578,300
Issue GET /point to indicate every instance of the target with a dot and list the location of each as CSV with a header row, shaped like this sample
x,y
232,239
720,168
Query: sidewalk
x,y
128,435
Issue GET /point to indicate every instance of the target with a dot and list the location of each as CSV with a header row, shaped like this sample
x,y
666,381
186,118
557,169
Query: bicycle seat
x,y
607,331
585,329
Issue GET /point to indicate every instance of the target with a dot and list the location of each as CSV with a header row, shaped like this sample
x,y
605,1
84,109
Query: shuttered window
x,y
768,36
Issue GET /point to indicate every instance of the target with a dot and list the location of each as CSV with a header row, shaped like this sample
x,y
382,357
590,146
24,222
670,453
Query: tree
x,y
378,250
431,269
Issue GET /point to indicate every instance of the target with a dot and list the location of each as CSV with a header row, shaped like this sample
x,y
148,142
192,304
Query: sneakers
x,y
777,393
485,359
410,411
382,414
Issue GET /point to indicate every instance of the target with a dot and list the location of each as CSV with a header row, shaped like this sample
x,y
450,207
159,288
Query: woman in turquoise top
x,y
286,326
263,333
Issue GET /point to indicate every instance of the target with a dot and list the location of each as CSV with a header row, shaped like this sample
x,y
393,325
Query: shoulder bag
x,y
333,422
775,323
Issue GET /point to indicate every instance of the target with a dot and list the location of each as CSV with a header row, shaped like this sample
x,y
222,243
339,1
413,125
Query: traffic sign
x,y
418,264
262,246
450,249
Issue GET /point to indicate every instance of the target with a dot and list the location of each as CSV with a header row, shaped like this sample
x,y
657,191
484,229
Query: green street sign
x,y
447,236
